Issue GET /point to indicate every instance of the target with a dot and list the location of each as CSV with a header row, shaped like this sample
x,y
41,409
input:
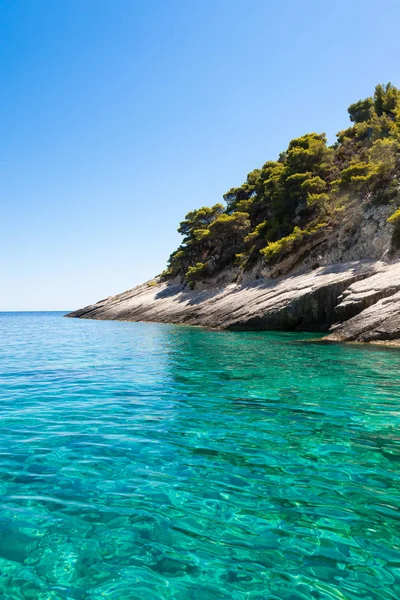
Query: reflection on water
x,y
154,462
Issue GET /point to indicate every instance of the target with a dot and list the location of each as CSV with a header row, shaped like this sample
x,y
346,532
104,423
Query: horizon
x,y
18,312
101,100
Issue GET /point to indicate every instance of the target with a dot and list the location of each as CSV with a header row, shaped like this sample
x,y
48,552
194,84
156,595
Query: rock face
x,y
370,309
324,286
313,300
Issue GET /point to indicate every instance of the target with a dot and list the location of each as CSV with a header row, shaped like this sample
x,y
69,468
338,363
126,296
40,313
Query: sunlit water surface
x,y
153,462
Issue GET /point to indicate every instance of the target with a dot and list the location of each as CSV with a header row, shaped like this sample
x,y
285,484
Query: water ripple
x,y
142,461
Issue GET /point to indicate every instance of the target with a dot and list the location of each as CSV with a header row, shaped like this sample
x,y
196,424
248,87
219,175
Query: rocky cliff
x,y
366,291
333,288
310,241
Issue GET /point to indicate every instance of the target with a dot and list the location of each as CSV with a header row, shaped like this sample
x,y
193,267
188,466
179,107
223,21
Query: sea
x,y
151,461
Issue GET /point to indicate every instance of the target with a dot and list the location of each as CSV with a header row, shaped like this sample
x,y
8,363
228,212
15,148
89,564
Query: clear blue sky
x,y
117,117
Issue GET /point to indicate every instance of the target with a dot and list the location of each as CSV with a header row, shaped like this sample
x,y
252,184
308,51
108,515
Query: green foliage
x,y
244,192
307,153
199,219
395,220
361,111
242,259
395,217
196,271
322,201
357,173
176,261
384,151
376,174
386,99
166,274
233,225
310,183
259,231
201,234
275,249
314,185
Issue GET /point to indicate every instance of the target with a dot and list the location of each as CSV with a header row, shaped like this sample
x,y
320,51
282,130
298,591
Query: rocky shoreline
x,y
355,301
308,242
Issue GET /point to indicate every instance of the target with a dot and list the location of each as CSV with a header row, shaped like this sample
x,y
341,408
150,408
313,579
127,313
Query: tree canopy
x,y
293,196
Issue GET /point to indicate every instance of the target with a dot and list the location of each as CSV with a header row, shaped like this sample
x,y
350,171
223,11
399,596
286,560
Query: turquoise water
x,y
154,462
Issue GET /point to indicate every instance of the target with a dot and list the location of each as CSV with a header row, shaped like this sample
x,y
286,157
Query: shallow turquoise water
x,y
154,462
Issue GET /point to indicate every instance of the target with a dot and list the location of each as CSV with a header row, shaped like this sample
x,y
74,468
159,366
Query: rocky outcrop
x,y
369,310
322,285
313,300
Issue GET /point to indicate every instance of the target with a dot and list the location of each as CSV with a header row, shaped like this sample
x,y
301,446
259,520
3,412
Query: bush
x,y
395,217
286,244
320,200
395,220
196,272
275,248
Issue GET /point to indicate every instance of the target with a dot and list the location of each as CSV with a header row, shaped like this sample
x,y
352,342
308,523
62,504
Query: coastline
x,y
356,301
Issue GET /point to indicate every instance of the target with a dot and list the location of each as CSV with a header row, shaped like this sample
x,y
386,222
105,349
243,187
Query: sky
x,y
118,117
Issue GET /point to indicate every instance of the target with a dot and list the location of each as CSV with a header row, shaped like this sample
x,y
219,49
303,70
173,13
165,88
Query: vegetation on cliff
x,y
292,199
